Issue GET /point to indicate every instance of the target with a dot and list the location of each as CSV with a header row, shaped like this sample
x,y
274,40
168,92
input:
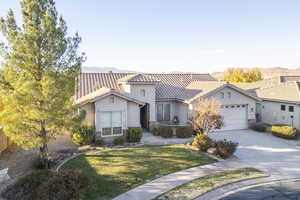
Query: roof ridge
x,y
145,73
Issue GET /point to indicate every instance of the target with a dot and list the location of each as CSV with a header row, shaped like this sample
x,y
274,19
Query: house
x,y
280,99
115,101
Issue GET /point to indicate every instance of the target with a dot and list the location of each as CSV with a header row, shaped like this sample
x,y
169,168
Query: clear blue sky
x,y
183,35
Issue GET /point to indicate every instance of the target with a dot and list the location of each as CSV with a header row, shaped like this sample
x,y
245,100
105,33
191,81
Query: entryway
x,y
144,117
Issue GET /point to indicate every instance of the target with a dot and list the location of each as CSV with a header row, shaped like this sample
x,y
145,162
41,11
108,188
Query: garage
x,y
235,117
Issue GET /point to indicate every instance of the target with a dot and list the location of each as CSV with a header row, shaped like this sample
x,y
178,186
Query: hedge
x,y
134,134
285,131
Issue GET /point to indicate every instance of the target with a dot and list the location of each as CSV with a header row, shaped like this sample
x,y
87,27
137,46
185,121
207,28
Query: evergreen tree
x,y
37,81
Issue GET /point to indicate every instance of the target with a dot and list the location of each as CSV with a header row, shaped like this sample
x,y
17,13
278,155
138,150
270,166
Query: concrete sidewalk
x,y
163,184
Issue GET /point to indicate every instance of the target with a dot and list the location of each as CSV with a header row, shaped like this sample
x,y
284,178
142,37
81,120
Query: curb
x,y
232,188
57,168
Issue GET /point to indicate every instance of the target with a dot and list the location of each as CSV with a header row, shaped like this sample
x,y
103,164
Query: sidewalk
x,y
163,184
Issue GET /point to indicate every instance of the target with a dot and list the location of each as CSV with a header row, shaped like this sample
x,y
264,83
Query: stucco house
x,y
116,101
280,99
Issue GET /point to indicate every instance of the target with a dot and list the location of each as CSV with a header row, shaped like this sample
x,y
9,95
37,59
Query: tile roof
x,y
288,91
170,86
102,92
138,78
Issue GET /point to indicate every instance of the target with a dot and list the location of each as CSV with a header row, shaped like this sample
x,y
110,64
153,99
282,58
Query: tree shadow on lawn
x,y
113,172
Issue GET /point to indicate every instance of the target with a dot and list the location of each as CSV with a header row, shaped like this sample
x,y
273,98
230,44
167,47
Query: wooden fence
x,y
4,141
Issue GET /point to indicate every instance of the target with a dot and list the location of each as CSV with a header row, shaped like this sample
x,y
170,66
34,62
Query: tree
x,y
206,115
38,76
238,75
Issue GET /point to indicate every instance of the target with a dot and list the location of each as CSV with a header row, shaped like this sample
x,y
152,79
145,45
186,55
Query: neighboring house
x,y
280,99
116,101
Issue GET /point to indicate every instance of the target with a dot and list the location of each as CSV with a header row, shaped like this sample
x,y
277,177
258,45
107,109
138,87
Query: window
x,y
111,123
163,112
112,99
282,107
222,95
143,92
291,108
229,95
252,109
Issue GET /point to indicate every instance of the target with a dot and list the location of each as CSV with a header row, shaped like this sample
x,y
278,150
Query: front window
x,y
291,108
163,112
282,107
222,95
229,95
111,123
143,92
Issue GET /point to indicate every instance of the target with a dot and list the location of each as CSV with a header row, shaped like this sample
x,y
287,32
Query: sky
x,y
200,36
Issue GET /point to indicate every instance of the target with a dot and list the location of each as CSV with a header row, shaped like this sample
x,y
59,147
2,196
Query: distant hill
x,y
267,72
103,69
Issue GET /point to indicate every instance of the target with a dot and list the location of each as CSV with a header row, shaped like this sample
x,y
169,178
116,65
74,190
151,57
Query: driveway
x,y
263,151
274,191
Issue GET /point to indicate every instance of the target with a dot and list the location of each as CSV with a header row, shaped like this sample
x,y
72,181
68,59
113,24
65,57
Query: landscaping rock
x,y
212,151
4,175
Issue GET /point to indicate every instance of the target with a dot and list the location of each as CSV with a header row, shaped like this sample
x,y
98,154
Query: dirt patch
x,y
20,162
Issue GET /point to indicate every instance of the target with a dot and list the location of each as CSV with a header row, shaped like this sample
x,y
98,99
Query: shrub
x,y
83,135
166,132
155,131
100,143
225,148
202,141
184,132
119,141
26,187
134,134
40,163
259,128
285,131
63,185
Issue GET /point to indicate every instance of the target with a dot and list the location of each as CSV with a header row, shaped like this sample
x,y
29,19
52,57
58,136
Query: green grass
x,y
115,171
199,186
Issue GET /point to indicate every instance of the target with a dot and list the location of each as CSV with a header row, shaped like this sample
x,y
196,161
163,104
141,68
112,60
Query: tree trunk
x,y
44,149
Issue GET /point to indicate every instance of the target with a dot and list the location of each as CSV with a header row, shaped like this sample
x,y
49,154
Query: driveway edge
x,y
231,188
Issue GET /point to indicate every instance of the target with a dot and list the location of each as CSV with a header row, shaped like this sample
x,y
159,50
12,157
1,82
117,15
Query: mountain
x,y
266,72
90,69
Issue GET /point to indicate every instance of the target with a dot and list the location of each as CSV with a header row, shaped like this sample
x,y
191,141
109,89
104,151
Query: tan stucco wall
x,y
89,113
135,91
104,104
271,113
133,115
236,98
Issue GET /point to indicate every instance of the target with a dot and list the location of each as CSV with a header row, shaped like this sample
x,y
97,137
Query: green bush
x,y
134,134
285,131
166,132
155,131
203,142
100,143
63,185
259,128
26,187
46,185
184,132
225,148
119,141
83,135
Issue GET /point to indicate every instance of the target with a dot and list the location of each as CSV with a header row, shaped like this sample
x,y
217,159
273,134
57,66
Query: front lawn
x,y
115,171
199,186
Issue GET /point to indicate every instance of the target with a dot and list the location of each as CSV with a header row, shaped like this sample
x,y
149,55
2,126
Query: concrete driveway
x,y
263,151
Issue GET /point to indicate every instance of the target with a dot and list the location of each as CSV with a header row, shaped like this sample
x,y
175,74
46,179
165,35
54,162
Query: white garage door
x,y
235,117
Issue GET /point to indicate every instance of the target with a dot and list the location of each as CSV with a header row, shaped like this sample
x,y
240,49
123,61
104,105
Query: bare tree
x,y
206,115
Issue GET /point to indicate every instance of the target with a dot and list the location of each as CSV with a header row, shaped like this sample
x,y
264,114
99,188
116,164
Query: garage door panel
x,y
235,118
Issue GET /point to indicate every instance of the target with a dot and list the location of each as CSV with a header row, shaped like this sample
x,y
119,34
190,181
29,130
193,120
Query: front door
x,y
144,116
